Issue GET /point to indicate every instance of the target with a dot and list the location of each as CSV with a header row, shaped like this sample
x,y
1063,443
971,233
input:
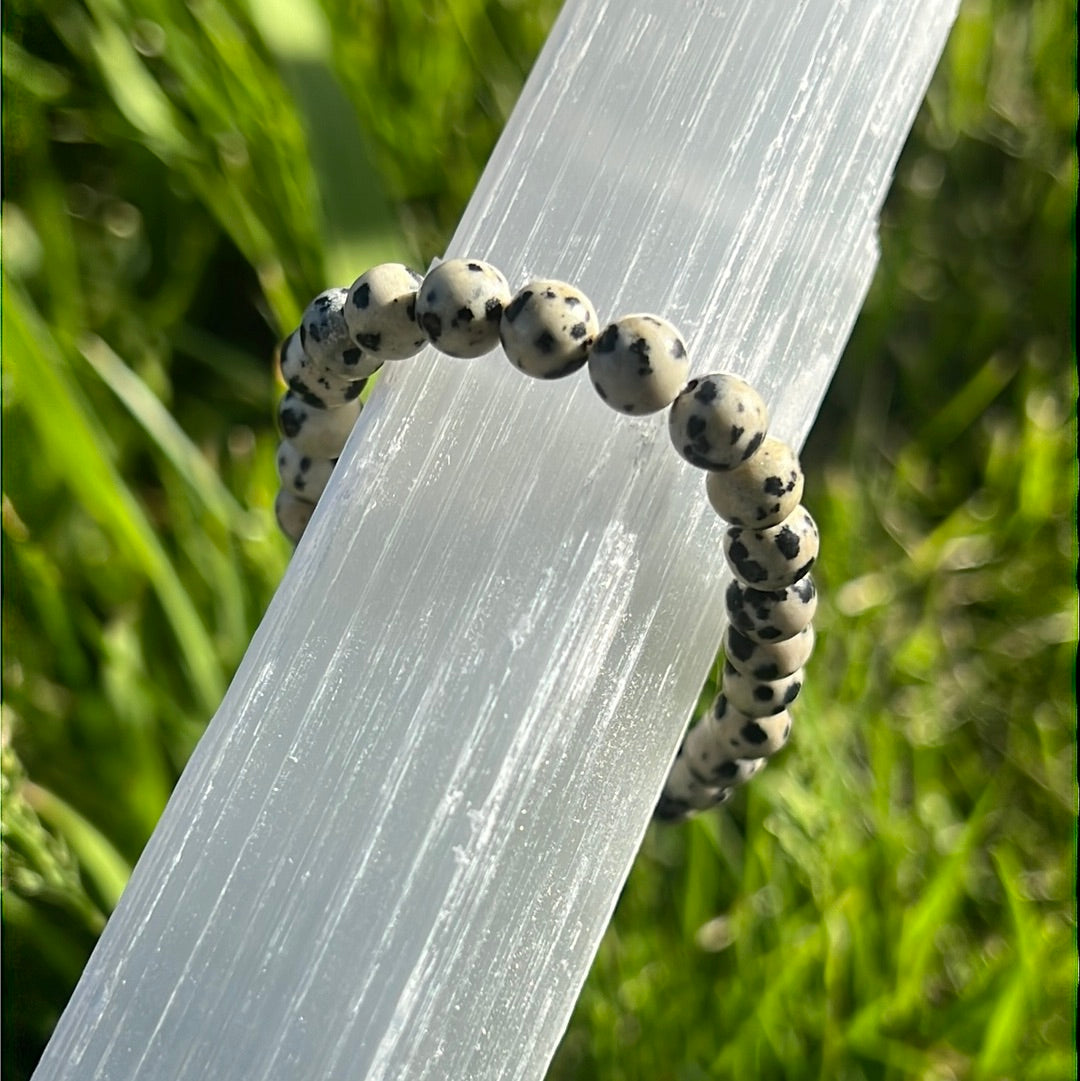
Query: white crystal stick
x,y
396,848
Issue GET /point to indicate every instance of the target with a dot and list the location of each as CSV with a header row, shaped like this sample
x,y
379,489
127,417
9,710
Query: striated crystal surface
x,y
395,850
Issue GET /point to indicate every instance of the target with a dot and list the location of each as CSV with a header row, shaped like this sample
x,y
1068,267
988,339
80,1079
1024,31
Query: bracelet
x,y
638,364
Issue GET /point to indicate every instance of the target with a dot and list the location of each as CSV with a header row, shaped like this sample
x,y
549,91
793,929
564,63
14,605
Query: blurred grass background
x,y
896,898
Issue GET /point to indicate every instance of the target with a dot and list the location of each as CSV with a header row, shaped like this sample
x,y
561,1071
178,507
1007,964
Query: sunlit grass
x,y
893,898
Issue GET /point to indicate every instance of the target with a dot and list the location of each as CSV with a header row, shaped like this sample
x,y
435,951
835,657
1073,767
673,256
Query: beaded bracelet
x,y
638,365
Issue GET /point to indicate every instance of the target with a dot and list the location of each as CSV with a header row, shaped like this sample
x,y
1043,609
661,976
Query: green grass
x,y
894,898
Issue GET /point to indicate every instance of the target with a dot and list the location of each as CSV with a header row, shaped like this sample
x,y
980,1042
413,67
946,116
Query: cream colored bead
x,y
718,421
638,364
547,329
762,491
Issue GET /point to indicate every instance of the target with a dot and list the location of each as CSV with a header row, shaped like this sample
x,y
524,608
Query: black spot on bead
x,y
578,331
736,434
706,391
792,693
464,315
749,569
606,342
767,672
476,268
362,297
514,308
432,325
493,310
753,445
351,357
739,645
763,693
354,389
727,770
752,732
678,350
292,421
370,341
669,809
774,486
545,342
640,348
787,542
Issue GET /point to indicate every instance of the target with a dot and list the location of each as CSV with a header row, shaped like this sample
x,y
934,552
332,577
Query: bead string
x,y
638,364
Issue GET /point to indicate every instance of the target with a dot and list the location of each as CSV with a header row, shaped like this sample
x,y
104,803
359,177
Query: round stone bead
x,y
547,329
380,312
301,474
310,381
773,558
670,808
638,363
768,661
293,514
718,421
684,784
459,307
320,433
743,736
760,698
762,491
325,337
770,617
711,764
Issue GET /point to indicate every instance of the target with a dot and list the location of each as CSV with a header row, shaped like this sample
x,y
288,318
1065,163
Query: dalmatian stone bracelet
x,y
638,364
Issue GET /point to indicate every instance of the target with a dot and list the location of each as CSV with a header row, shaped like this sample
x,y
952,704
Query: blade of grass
x,y
99,862
163,431
68,432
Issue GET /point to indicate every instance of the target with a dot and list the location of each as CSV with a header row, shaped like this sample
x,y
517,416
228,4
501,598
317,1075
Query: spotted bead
x,y
547,329
772,616
320,433
684,784
773,558
301,474
314,384
711,764
670,808
758,697
293,514
718,421
380,312
711,761
762,491
325,336
741,736
459,307
638,363
772,661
